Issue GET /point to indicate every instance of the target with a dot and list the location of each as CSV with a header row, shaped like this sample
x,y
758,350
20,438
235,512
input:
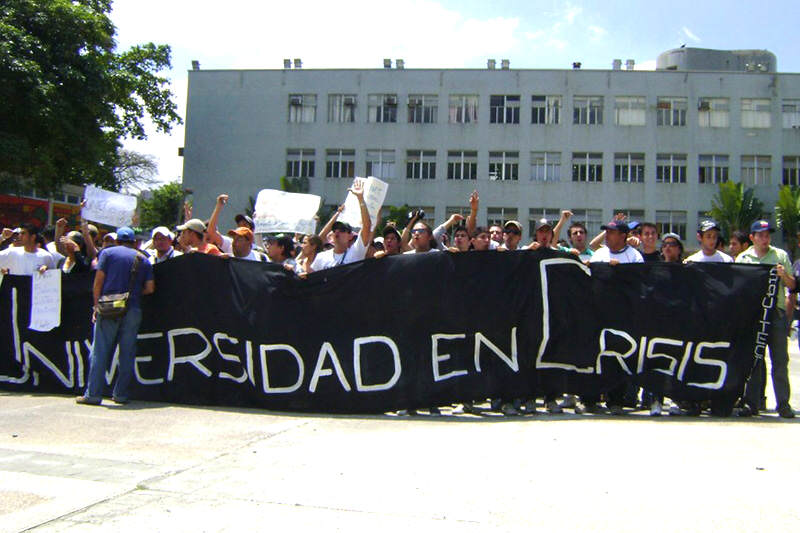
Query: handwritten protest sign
x,y
285,211
46,300
108,207
374,195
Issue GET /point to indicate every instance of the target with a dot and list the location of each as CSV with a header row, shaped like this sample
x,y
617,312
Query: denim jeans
x,y
108,333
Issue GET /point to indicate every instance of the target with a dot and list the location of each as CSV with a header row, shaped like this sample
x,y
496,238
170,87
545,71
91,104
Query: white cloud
x,y
649,64
598,32
688,33
572,13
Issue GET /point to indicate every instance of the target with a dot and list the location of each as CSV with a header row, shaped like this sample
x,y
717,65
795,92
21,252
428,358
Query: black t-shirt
x,y
651,257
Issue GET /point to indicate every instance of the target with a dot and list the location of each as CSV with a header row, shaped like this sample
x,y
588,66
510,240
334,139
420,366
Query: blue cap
x,y
125,234
761,225
616,225
633,224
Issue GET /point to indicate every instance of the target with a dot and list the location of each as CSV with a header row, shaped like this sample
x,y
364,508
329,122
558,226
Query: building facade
x,y
653,144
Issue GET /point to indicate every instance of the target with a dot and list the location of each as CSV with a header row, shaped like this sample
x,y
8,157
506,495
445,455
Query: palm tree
x,y
787,214
735,208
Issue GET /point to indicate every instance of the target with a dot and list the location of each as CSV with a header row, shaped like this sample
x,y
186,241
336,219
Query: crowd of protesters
x,y
26,251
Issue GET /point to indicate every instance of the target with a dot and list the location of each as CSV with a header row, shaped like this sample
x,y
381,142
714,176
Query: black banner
x,y
410,331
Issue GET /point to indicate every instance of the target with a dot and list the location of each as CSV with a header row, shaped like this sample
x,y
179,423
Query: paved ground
x,y
158,467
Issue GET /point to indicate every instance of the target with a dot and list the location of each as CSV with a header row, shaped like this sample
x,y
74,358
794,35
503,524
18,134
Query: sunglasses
x,y
419,230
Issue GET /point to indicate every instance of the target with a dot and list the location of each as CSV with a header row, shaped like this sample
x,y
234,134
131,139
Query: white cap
x,y
163,230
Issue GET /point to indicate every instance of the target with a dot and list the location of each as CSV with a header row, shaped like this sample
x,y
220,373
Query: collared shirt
x,y
774,256
155,259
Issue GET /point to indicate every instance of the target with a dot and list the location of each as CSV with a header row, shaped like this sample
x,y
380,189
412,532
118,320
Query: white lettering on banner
x,y
700,360
652,354
263,349
229,357
481,340
620,357
437,358
762,337
193,359
325,351
145,359
360,341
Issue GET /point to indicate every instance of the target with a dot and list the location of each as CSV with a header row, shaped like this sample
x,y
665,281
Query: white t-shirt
x,y
328,258
716,257
23,263
154,259
626,255
57,257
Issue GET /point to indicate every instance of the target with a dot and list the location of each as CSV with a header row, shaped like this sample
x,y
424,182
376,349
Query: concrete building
x,y
532,142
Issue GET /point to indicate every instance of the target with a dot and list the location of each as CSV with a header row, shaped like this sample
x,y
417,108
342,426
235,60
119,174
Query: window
x,y
712,168
500,215
503,166
545,166
462,165
380,163
756,169
671,222
671,168
713,112
791,170
302,108
545,109
537,213
791,113
629,110
587,110
631,214
591,218
756,113
671,111
504,109
341,107
299,163
629,168
587,166
382,108
463,108
421,164
340,163
423,108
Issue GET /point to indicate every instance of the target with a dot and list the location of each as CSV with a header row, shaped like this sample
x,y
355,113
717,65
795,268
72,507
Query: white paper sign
x,y
46,300
108,207
374,195
286,211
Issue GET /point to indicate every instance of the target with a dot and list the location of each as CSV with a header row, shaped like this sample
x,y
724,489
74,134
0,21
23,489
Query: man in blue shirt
x,y
114,276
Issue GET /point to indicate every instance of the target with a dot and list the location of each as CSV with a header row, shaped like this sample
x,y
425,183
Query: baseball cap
x,y
342,226
761,225
242,217
513,224
110,235
633,224
707,225
125,234
162,230
391,229
542,222
617,225
194,224
242,232
671,236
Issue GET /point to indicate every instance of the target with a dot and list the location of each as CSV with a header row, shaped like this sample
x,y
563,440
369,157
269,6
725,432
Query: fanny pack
x,y
116,305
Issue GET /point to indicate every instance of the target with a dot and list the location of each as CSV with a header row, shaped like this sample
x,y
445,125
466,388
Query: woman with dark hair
x,y
422,239
312,245
75,259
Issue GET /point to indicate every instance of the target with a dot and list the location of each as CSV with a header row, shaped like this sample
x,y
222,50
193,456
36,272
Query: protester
x,y
75,259
480,240
461,240
671,248
162,245
762,252
708,236
312,245
192,238
347,249
496,234
279,249
115,275
739,243
542,235
242,245
648,236
26,258
617,249
512,235
422,240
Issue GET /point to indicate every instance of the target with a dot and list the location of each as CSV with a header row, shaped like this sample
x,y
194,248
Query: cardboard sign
x,y
286,211
108,207
374,195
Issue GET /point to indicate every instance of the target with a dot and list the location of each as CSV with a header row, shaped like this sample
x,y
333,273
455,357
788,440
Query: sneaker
x,y
746,411
530,407
83,400
674,410
509,410
590,408
119,401
785,411
655,408
553,408
570,400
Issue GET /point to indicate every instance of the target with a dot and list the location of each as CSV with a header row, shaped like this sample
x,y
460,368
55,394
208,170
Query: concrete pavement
x,y
159,467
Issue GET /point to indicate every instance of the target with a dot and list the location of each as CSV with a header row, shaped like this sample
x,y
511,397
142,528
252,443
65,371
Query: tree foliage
x,y
135,170
735,208
299,185
787,214
68,96
163,207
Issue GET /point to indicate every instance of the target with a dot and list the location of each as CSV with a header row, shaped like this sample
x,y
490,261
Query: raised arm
x,y
61,229
405,238
214,236
366,225
323,233
566,214
91,249
472,219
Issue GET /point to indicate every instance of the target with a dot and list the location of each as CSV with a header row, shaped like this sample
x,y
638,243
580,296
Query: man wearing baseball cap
x,y
192,237
346,249
708,235
762,252
162,244
616,250
242,245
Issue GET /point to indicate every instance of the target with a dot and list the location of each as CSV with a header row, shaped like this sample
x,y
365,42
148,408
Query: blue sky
x,y
439,34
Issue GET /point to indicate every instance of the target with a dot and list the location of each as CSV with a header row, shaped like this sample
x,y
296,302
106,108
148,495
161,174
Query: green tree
x,y
163,207
734,207
300,185
68,96
135,170
787,215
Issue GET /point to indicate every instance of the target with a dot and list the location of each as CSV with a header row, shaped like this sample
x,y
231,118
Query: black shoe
x,y
119,401
83,400
746,410
785,411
